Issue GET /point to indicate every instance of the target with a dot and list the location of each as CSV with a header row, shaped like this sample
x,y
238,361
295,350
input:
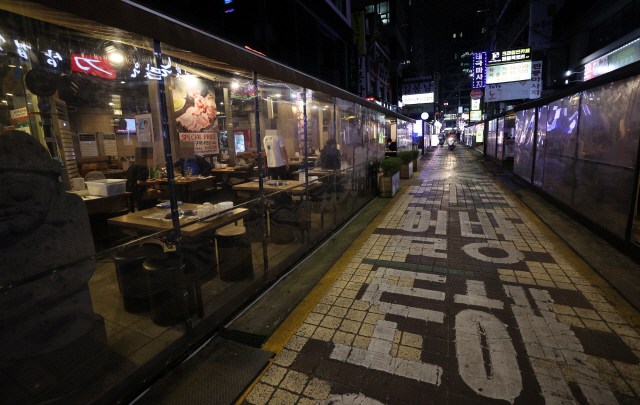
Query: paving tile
x,y
399,337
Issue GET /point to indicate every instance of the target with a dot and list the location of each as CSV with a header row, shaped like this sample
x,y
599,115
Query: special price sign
x,y
513,72
203,143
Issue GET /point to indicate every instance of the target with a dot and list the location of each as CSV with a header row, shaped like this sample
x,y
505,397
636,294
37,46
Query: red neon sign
x,y
93,65
370,98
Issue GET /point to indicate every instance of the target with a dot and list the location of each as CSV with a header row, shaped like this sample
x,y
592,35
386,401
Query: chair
x,y
167,284
131,277
235,260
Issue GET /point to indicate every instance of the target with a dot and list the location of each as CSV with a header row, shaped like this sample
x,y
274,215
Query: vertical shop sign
x,y
362,77
536,80
93,65
353,69
357,25
479,70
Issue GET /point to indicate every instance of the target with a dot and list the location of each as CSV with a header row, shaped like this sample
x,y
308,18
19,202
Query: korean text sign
x,y
479,70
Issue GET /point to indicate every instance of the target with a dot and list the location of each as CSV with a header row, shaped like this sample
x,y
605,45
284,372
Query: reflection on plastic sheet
x,y
541,138
608,133
523,154
491,138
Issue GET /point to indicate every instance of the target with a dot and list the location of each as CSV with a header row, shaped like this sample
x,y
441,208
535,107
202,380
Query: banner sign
x,y
479,70
518,90
513,72
417,88
357,25
510,56
475,116
622,56
418,98
203,142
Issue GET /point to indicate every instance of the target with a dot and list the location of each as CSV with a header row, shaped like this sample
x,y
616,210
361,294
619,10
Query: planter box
x,y
406,170
415,164
389,186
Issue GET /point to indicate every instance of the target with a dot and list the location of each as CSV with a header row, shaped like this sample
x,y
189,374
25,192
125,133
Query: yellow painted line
x,y
600,284
281,336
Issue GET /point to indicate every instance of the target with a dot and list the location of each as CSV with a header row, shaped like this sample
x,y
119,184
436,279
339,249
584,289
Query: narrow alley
x,y
455,296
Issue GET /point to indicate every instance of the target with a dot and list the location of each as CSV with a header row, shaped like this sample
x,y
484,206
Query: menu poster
x,y
144,128
194,103
204,143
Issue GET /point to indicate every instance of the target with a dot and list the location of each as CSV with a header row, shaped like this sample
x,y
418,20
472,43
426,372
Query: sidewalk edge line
x,y
621,306
285,331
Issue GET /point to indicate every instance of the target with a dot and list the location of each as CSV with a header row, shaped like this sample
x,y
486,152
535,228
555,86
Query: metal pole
x,y
168,157
306,163
256,107
166,140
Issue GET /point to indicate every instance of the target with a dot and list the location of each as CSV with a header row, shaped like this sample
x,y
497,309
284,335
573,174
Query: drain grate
x,y
217,375
245,338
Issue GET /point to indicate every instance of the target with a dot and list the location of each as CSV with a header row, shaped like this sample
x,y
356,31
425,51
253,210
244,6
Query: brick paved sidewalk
x,y
457,298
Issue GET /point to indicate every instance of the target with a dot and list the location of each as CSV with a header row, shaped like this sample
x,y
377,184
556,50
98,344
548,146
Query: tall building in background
x,y
379,48
443,35
309,35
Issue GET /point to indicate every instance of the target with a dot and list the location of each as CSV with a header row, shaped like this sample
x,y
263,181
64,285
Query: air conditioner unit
x,y
109,146
88,144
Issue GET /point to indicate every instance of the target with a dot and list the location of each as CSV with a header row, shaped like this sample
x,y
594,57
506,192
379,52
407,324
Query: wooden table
x,y
137,221
317,172
100,204
186,186
294,187
227,170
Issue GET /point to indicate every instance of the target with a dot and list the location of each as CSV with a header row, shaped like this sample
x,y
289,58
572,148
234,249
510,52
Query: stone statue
x,y
46,321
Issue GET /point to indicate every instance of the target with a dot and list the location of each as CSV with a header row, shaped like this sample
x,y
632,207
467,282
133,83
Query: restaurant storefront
x,y
170,140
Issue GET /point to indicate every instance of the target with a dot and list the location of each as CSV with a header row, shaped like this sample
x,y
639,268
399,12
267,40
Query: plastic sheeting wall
x,y
523,150
491,138
562,129
541,142
586,151
500,139
608,131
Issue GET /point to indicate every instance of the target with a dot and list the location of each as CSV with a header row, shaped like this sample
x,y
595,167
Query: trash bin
x,y
131,278
234,253
167,284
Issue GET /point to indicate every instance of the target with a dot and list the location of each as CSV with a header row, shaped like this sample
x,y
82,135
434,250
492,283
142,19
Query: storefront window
x,y
112,127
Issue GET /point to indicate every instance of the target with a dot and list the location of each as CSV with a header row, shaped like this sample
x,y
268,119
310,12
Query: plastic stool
x,y
235,261
167,283
131,278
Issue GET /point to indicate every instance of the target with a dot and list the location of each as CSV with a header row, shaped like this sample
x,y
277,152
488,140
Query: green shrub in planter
x,y
390,166
415,154
406,157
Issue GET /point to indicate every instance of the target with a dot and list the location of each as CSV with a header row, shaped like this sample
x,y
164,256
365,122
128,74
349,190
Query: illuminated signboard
x,y
513,72
418,88
618,58
479,70
417,128
93,65
475,104
510,56
475,116
417,98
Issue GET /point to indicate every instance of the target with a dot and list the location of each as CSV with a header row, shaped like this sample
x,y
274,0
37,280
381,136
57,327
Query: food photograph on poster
x,y
195,106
